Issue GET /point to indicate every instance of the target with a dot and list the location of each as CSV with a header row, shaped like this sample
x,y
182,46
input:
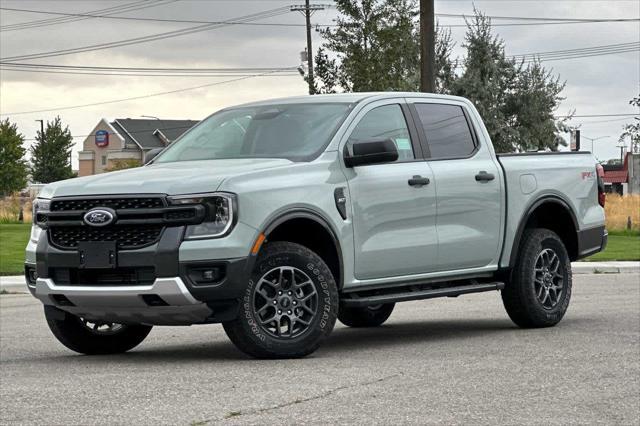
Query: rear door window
x,y
446,130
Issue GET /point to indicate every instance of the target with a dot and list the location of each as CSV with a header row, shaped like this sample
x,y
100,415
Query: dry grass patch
x,y
618,209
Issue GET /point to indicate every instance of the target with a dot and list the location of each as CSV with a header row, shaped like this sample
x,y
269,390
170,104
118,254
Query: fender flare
x,y
303,213
555,199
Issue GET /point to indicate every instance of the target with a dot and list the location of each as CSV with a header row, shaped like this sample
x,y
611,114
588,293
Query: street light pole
x,y
593,140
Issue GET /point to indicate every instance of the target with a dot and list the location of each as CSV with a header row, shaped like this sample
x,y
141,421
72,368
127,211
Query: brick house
x,y
126,139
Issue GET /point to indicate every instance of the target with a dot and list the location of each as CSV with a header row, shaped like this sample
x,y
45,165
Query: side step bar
x,y
430,293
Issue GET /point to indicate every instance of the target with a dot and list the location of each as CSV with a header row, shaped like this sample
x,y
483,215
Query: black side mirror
x,y
371,152
151,154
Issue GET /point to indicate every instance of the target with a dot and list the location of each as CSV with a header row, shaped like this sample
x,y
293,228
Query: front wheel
x,y
93,337
289,305
539,290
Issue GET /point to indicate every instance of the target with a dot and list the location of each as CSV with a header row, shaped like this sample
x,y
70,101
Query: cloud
x,y
594,85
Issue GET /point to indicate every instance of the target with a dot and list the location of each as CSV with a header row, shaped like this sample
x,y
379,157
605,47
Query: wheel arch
x,y
553,213
318,236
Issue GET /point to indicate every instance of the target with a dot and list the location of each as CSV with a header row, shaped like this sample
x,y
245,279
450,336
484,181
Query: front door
x,y
393,213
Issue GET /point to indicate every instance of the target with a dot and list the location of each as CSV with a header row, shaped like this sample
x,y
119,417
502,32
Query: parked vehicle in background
x,y
276,218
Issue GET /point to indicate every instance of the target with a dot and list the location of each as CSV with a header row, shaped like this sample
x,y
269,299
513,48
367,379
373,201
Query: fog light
x,y
205,275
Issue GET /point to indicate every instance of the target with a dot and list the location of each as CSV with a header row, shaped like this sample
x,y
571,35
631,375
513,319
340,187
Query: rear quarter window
x,y
446,130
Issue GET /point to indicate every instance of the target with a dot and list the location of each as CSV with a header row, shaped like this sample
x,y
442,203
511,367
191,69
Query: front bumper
x,y
128,304
174,296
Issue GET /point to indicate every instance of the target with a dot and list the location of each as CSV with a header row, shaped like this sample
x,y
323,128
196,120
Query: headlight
x,y
40,207
220,214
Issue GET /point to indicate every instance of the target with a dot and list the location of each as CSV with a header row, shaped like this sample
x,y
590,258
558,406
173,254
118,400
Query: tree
x,y
516,102
122,164
632,131
376,46
13,166
51,154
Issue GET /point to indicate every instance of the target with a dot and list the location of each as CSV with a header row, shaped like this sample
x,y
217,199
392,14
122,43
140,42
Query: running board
x,y
431,293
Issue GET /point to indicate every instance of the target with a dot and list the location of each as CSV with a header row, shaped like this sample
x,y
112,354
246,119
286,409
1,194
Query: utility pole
x,y
41,132
427,46
41,129
307,10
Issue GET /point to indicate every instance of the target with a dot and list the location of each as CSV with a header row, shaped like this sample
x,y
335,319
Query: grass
x,y
13,241
622,245
620,210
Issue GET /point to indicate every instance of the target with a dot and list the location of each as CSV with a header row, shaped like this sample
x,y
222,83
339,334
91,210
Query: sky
x,y
594,85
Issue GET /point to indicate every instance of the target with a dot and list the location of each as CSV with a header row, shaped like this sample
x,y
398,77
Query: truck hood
x,y
183,177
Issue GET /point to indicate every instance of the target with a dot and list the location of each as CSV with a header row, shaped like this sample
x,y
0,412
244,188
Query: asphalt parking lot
x,y
442,361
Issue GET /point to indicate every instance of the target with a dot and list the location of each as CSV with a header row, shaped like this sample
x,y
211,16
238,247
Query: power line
x,y
90,15
112,101
529,18
164,20
146,72
154,37
598,115
128,7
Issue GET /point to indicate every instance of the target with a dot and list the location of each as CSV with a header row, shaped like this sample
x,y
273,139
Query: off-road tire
x,y
71,332
247,333
369,316
519,296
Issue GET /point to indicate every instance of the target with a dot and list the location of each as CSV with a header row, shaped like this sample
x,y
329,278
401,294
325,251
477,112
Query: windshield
x,y
294,131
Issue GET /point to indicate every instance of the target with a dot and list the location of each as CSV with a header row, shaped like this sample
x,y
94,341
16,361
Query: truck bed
x,y
532,175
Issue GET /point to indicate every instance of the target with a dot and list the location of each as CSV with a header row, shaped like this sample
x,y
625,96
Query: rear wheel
x,y
369,316
539,291
93,337
289,306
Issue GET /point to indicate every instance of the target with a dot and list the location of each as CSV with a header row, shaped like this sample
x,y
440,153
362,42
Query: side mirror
x,y
371,152
151,154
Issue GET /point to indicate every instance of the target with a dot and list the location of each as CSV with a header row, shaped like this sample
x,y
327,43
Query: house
x,y
126,139
623,178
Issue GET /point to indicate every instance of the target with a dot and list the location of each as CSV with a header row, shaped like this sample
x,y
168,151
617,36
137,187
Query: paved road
x,y
441,361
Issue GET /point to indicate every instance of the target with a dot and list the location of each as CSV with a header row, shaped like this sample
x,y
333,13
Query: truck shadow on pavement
x,y
343,339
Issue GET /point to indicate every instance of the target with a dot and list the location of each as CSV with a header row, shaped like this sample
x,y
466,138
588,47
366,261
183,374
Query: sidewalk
x,y
16,283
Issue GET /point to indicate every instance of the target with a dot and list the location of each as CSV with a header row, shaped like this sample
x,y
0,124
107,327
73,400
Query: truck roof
x,y
348,98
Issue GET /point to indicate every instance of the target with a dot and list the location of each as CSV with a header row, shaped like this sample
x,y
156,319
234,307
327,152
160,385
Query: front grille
x,y
105,277
115,203
125,236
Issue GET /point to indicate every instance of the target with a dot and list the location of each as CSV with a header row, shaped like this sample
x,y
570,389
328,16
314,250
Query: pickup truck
x,y
276,218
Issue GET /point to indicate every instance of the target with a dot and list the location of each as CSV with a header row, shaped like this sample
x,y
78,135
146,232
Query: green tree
x,y
13,167
375,46
516,101
632,131
51,154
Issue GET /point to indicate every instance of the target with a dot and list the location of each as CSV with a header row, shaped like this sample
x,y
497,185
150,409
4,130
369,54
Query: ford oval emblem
x,y
99,217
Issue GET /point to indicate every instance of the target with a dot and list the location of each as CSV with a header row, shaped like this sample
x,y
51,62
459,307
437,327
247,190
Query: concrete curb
x,y
605,267
16,283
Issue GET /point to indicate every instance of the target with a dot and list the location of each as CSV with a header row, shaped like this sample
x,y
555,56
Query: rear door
x,y
467,183
394,220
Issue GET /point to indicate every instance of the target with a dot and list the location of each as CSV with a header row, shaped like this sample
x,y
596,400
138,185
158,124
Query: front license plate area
x,y
97,254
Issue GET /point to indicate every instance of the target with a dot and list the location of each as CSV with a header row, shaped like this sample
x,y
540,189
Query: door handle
x,y
418,180
484,176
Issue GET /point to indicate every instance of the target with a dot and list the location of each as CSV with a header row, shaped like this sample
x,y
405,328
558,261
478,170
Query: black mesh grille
x,y
108,277
115,203
66,236
126,237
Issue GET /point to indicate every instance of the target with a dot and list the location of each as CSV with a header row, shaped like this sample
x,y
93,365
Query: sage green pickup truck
x,y
278,218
